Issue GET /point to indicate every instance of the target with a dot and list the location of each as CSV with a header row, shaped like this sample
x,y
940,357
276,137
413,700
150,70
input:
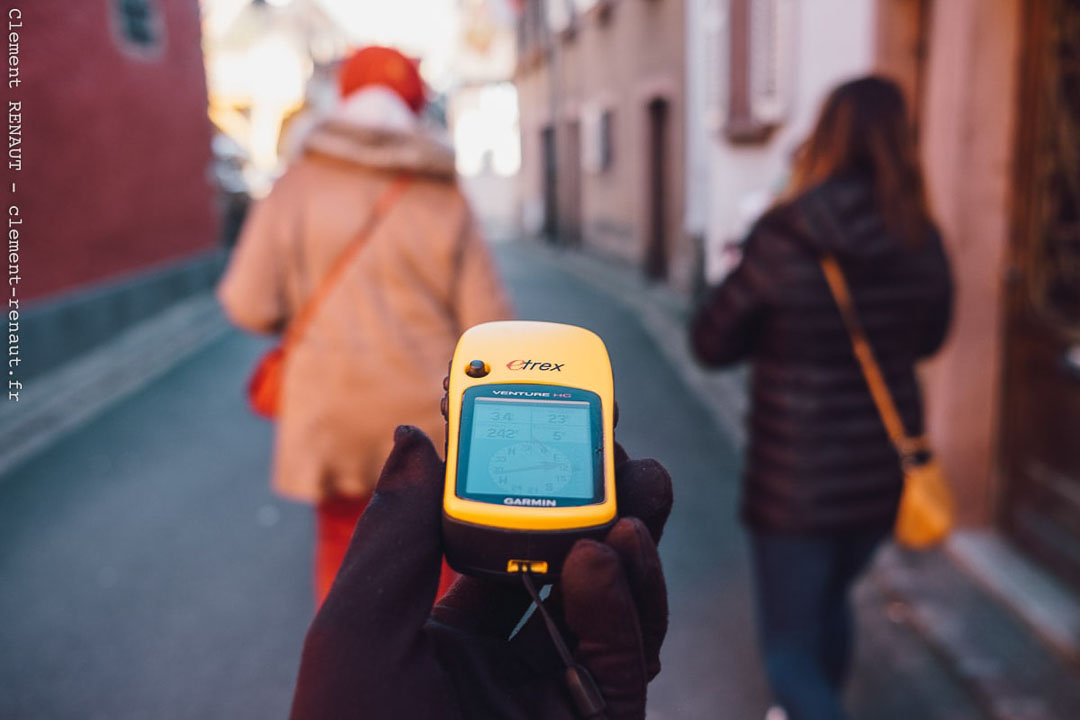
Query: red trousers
x,y
334,524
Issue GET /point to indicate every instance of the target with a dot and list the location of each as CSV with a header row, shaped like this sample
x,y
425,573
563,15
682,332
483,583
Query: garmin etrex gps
x,y
529,463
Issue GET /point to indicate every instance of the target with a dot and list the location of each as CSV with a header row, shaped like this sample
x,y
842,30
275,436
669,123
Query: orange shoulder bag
x,y
266,382
925,516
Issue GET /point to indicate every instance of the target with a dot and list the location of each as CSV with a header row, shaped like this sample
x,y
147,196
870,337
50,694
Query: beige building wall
x,y
533,87
969,92
620,55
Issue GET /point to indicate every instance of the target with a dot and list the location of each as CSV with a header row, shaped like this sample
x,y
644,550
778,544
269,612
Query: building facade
x,y
116,171
996,83
600,86
114,190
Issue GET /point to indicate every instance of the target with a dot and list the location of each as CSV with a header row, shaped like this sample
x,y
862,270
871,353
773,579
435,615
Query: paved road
x,y
146,572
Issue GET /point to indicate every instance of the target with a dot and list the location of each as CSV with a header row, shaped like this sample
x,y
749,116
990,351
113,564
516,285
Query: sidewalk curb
x,y
64,398
987,645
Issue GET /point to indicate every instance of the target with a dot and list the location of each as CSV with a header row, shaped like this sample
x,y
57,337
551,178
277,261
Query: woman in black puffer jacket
x,y
822,481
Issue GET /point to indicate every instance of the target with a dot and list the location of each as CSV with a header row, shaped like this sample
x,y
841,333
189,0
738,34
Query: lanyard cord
x,y
582,687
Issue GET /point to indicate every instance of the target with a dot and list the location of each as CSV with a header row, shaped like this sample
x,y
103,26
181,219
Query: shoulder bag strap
x,y
879,389
307,312
905,445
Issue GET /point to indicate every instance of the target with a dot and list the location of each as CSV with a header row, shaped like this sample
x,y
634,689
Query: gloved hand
x,y
377,649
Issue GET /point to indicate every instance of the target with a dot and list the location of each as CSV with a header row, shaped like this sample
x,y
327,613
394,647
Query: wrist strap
x,y
588,700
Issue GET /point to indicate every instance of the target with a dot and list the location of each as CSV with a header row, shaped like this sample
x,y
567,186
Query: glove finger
x,y
483,607
364,638
600,610
496,608
392,566
621,456
643,490
641,563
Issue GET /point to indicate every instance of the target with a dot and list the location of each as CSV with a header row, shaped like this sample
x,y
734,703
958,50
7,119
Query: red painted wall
x,y
116,144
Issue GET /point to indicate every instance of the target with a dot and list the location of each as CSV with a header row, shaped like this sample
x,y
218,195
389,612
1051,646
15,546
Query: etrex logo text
x,y
534,365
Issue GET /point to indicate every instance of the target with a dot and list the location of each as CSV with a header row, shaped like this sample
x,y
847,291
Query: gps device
x,y
529,461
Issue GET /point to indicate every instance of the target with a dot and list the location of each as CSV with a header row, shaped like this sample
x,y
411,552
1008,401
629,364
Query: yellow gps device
x,y
529,456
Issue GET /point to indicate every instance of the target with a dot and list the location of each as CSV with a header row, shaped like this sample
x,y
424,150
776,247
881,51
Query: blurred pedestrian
x,y
822,480
375,187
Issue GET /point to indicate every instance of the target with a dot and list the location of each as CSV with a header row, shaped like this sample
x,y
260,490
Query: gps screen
x,y
531,448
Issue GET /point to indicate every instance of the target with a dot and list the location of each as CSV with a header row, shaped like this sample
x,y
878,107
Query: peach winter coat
x,y
375,354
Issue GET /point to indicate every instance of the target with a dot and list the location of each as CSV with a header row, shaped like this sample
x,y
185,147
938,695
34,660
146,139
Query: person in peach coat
x,y
374,355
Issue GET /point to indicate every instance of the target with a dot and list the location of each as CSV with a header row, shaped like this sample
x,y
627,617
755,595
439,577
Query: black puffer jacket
x,y
819,460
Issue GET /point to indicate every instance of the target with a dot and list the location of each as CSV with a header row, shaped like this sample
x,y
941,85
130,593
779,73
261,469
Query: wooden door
x,y
548,182
656,252
570,172
1041,423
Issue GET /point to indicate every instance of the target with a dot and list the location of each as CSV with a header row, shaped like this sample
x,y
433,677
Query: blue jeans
x,y
803,585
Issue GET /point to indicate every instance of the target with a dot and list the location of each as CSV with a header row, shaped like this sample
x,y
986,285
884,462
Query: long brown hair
x,y
863,129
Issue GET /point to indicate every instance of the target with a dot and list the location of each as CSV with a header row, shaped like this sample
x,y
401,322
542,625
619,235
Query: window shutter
x,y
772,35
717,57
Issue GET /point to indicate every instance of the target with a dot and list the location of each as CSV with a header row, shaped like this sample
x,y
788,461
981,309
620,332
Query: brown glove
x,y
377,649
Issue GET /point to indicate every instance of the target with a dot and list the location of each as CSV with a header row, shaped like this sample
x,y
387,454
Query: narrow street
x,y
147,572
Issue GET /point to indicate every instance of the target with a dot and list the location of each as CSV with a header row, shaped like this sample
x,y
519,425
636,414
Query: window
x,y
139,24
597,153
748,57
607,158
